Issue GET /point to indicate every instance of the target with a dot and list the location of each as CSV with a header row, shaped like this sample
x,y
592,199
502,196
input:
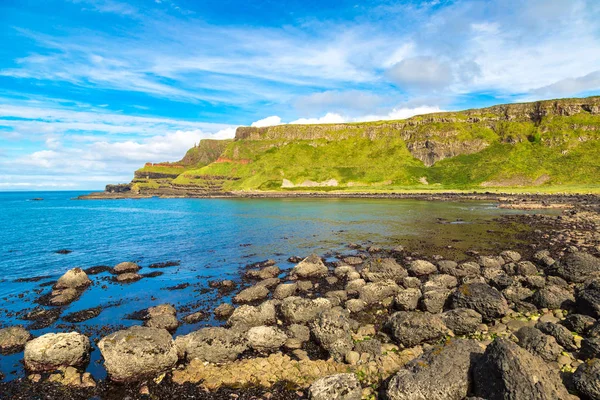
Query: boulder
x,y
285,290
297,310
538,343
13,339
506,371
336,387
410,328
577,267
491,262
382,269
61,297
526,268
249,316
252,294
74,278
375,292
126,267
224,310
433,301
421,268
265,273
462,321
355,305
137,353
562,335
332,330
588,299
195,317
510,256
53,350
553,297
162,316
587,379
463,270
310,268
215,345
128,277
266,339
407,299
442,373
590,348
578,323
482,298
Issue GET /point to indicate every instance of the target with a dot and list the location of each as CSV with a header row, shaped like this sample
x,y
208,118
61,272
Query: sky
x,y
90,90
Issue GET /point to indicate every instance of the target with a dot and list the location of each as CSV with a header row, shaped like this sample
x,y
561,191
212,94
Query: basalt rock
x,y
410,328
482,298
215,345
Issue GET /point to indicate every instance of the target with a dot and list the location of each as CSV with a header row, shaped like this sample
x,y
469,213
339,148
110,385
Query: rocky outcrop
x,y
13,339
53,350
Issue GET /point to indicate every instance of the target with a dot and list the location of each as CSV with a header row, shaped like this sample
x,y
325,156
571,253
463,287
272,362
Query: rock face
x,y
507,371
482,298
12,339
442,373
53,350
266,339
577,267
137,353
587,379
74,278
332,330
410,328
216,345
310,267
336,387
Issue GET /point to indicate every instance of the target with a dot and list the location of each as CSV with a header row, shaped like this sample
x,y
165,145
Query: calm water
x,y
211,238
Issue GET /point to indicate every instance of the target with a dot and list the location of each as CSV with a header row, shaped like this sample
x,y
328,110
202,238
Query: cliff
x,y
548,143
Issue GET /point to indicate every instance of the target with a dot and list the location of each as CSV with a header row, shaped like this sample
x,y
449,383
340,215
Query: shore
x,y
377,323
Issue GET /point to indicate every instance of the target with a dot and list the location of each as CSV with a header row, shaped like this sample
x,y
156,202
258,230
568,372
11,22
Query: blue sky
x,y
92,89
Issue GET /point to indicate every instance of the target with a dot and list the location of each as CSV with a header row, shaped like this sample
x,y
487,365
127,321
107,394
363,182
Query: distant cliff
x,y
547,143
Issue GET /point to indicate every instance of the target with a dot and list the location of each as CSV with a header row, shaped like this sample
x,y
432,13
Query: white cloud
x,y
269,121
422,73
329,118
570,86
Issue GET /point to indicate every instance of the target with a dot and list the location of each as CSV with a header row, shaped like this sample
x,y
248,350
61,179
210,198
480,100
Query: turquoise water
x,y
211,238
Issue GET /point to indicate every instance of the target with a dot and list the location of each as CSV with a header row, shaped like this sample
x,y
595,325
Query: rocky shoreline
x,y
377,323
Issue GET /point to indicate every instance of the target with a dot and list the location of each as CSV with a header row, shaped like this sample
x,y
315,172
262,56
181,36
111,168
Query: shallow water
x,y
211,238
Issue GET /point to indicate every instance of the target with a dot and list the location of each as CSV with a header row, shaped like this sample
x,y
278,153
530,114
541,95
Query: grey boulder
x,y
336,387
410,328
53,350
215,345
482,298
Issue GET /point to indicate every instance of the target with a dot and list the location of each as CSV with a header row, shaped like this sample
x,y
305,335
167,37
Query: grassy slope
x,y
553,148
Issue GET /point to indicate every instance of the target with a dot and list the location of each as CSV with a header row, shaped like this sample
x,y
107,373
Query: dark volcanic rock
x,y
410,328
482,298
588,299
506,371
381,269
462,321
63,251
590,348
562,335
83,315
587,379
578,322
577,267
553,297
538,343
332,330
442,373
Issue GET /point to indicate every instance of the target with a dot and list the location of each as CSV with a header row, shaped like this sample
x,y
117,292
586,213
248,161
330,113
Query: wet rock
x,y
297,310
588,299
13,339
336,387
126,267
62,297
578,322
482,298
410,328
83,315
311,267
421,268
53,350
332,330
248,316
196,317
577,267
63,251
422,378
251,294
162,316
507,371
266,339
224,310
128,277
536,342
375,292
264,273
215,345
74,278
587,379
562,335
553,297
137,353
462,321
407,299
383,269
353,260
433,301
285,290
